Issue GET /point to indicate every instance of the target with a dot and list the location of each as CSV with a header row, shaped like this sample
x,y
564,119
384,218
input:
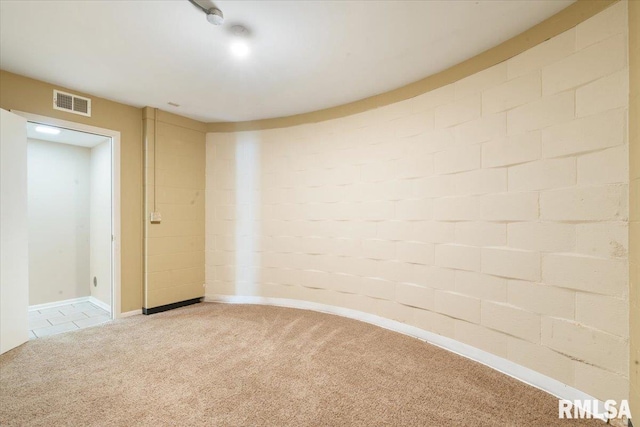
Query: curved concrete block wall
x,y
492,211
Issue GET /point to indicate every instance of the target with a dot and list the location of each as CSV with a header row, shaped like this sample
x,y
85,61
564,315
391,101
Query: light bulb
x,y
240,49
215,16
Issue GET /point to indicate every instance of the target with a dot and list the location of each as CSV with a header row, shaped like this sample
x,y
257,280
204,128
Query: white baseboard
x,y
91,300
526,375
130,313
58,303
95,301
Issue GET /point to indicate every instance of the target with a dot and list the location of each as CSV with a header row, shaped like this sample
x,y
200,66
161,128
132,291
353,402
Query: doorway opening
x,y
73,222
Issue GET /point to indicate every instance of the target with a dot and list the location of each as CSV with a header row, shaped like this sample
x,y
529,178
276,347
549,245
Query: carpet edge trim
x,y
502,365
172,306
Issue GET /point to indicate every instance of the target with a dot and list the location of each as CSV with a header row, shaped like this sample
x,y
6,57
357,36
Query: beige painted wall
x,y
100,222
634,235
33,96
492,210
174,171
58,206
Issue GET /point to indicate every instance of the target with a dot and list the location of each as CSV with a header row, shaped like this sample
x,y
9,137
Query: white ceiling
x,y
306,55
66,136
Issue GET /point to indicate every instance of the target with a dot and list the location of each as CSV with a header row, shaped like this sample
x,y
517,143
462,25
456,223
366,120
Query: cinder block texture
x,y
493,211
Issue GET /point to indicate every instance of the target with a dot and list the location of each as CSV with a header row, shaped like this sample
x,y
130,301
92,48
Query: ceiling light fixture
x,y
214,15
47,130
239,46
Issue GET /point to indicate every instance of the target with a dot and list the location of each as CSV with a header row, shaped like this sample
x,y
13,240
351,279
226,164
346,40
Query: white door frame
x,y
115,195
14,239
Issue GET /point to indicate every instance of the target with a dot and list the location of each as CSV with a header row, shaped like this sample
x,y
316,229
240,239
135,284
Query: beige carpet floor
x,y
240,365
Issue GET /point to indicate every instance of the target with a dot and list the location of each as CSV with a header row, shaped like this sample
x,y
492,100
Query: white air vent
x,y
71,103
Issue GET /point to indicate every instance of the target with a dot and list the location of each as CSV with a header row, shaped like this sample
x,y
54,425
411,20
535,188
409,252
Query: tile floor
x,y
68,317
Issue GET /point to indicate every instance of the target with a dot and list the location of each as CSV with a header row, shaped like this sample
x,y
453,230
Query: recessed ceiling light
x,y
239,41
48,130
240,48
